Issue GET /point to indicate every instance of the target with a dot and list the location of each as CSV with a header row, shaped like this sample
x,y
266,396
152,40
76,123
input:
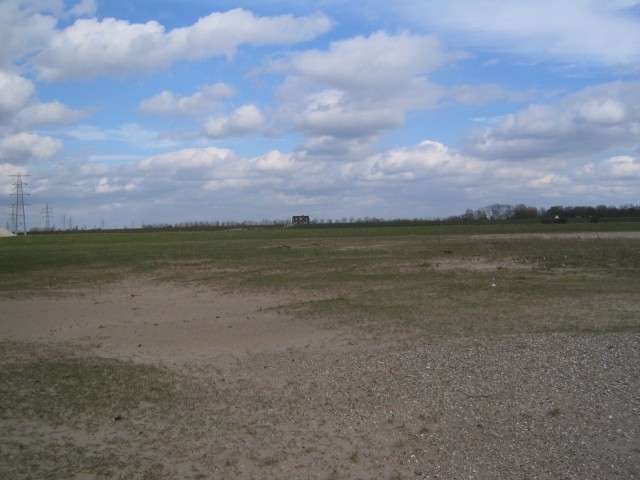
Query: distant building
x,y
300,219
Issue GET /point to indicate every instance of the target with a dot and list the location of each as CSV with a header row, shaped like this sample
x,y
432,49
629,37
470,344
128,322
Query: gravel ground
x,y
535,406
532,406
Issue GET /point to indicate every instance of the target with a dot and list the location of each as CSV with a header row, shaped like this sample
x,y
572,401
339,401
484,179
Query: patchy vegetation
x,y
396,351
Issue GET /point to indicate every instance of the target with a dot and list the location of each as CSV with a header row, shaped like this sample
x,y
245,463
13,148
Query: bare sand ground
x,y
265,395
158,323
582,235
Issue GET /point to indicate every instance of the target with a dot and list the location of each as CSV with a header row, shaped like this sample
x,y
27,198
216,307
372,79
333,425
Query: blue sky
x,y
167,111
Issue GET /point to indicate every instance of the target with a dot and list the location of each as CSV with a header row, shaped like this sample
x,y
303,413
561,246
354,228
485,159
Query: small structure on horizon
x,y
300,220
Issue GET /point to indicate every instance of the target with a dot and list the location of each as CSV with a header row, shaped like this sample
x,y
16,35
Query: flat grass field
x,y
391,352
547,277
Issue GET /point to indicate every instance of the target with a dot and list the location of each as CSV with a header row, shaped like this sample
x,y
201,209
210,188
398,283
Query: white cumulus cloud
x,y
168,103
25,27
188,158
346,97
588,122
47,114
428,160
242,121
618,167
27,147
106,185
113,47
15,90
569,31
83,8
376,61
332,113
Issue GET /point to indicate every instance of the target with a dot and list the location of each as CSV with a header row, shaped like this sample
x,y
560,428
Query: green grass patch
x,y
61,389
423,278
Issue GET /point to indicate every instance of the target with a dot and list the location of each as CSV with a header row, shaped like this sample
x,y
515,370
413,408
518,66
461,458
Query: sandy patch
x,y
549,236
164,323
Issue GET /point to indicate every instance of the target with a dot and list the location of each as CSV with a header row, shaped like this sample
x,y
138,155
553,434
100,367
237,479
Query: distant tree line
x,y
497,211
501,211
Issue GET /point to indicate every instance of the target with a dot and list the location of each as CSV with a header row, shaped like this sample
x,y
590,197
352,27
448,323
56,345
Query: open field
x,y
391,352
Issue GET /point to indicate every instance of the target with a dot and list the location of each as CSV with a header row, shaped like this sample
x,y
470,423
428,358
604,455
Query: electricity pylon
x,y
46,214
18,220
